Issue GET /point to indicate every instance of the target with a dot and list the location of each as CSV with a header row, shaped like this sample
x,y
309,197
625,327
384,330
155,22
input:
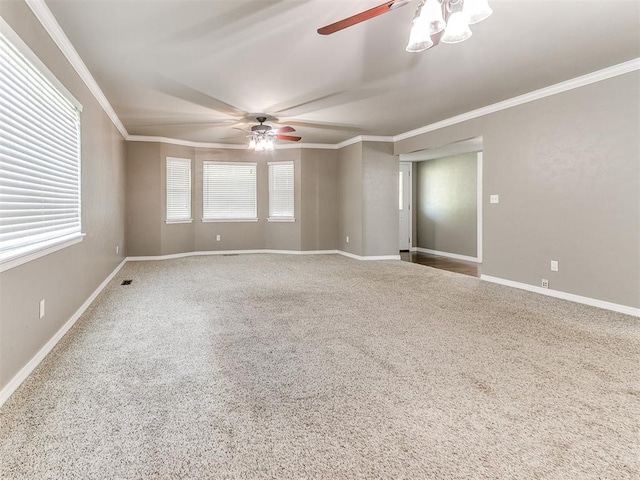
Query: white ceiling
x,y
175,68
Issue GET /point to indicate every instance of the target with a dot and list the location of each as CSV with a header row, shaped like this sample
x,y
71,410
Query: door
x,y
404,202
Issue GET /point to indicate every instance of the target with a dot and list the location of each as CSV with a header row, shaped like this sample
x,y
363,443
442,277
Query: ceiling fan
x,y
261,136
435,21
362,16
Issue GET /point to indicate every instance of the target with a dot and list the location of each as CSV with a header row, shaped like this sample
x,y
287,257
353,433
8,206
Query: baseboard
x,y
615,307
22,375
283,252
446,254
368,257
229,252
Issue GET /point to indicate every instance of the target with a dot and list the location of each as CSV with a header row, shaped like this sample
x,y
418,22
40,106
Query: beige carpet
x,y
323,367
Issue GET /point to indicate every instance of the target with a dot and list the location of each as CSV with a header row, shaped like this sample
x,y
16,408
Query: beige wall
x,y
368,199
319,190
350,199
144,199
315,212
352,191
567,169
66,278
380,175
446,206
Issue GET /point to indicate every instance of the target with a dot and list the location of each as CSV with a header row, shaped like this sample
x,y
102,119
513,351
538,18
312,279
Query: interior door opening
x,y
445,221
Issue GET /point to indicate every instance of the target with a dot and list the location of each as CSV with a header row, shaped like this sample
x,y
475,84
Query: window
x,y
281,194
178,190
39,155
229,192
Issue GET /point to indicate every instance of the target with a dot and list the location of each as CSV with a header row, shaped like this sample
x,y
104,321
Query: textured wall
x,y
319,199
446,204
380,173
567,169
144,198
350,199
316,200
66,278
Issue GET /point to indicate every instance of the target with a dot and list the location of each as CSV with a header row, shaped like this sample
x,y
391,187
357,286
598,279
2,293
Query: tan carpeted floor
x,y
323,367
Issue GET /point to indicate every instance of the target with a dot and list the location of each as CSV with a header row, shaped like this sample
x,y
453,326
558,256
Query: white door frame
x,y
410,192
479,204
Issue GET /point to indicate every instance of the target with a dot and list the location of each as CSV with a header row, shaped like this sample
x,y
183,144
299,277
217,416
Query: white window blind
x,y
281,190
229,191
178,190
39,153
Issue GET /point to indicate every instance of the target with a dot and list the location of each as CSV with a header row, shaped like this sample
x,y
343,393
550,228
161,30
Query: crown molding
x,y
184,143
363,138
228,146
51,25
597,76
48,21
231,146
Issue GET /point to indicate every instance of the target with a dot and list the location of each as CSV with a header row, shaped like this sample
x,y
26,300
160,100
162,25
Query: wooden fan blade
x,y
361,17
288,137
283,130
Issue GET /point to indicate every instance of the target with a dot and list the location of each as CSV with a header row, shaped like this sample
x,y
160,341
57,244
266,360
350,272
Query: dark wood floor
x,y
443,263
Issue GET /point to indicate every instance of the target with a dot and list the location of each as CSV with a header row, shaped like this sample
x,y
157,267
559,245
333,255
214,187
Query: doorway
x,y
404,204
447,221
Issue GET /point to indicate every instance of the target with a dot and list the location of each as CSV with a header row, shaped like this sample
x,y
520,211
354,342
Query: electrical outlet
x,y
554,265
347,238
545,283
494,199
217,238
42,308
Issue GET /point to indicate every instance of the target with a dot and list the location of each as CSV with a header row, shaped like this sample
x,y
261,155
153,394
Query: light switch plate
x,y
554,265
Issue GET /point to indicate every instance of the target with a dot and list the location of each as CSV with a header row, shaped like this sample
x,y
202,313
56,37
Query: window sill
x,y
20,256
170,222
230,220
281,219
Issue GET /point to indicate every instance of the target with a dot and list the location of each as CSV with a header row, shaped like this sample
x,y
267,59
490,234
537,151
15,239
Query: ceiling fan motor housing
x,y
261,128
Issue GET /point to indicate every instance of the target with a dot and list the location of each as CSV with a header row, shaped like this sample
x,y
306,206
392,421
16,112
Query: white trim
x,y
172,222
466,258
319,146
228,146
594,77
242,146
410,202
369,257
597,76
228,220
25,371
565,296
50,24
479,167
283,162
281,219
39,65
184,143
230,252
32,252
362,138
243,252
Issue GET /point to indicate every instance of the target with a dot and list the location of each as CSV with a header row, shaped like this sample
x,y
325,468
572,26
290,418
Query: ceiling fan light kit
x,y
262,136
432,17
452,16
